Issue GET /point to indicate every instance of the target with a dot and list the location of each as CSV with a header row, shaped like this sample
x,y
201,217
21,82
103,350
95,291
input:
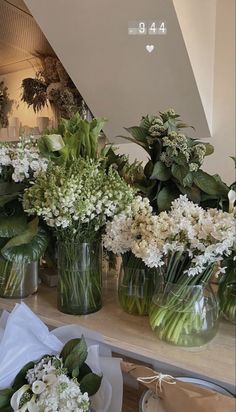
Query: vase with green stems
x,y
80,277
184,311
137,283
18,279
227,290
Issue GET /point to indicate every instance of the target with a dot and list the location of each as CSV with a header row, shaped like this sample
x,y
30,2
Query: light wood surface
x,y
215,361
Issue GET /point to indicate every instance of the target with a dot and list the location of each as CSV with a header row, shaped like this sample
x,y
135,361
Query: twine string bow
x,y
159,378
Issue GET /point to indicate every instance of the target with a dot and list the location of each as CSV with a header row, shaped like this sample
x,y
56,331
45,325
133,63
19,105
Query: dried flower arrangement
x,y
5,105
52,84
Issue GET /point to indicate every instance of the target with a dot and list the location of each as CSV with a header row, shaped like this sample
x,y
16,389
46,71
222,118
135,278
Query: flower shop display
x,y
76,201
67,369
22,241
5,105
174,165
137,281
52,85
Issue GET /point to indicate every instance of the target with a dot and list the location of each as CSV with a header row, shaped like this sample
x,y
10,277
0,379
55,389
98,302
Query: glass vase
x,y
136,286
184,315
227,291
18,280
79,277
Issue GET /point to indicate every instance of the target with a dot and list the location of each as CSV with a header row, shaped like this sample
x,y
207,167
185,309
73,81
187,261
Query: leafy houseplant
x,y
76,201
22,241
54,382
5,105
174,165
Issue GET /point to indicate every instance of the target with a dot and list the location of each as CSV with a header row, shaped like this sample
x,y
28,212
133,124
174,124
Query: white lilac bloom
x,y
206,236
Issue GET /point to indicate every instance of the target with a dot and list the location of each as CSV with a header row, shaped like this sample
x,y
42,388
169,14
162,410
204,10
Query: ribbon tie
x,y
161,377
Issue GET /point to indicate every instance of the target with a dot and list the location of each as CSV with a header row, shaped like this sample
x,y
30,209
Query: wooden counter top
x,y
216,361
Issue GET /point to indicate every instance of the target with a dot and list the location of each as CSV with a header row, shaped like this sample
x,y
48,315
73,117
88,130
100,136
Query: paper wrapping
x,y
177,396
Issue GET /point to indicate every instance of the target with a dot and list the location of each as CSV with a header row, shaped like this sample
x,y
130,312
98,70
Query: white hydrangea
x,y
23,159
62,396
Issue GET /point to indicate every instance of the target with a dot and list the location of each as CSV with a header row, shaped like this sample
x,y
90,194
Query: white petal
x,y
16,397
38,387
49,379
32,407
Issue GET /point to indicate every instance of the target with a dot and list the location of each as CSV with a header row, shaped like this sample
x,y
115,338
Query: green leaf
x,y
5,397
53,142
209,149
74,355
137,132
20,378
188,180
148,169
165,197
212,185
8,188
84,370
68,348
28,246
12,225
160,172
179,172
90,384
193,192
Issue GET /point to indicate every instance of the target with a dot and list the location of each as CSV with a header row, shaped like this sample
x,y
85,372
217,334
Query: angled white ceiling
x,y
197,19
114,73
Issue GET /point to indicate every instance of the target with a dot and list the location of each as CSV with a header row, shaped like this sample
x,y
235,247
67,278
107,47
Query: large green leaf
x,y
12,225
179,172
137,132
209,148
75,359
28,246
90,383
160,172
193,192
5,397
20,378
54,142
212,185
165,197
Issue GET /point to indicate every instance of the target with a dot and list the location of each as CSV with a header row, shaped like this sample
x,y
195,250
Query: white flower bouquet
x,y
71,373
21,161
76,201
185,244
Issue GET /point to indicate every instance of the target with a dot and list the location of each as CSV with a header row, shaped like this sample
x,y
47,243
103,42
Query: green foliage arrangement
x,y
5,105
174,165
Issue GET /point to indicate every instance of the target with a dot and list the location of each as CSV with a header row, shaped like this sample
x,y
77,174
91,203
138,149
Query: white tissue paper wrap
x,y
24,337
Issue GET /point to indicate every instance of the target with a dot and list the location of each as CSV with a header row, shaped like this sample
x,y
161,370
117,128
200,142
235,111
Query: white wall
x,y
223,108
197,20
224,93
26,115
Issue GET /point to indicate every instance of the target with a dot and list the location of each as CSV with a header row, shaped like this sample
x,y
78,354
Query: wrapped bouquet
x,y
55,371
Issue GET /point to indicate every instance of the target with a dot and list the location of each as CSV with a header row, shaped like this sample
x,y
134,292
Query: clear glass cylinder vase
x,y
18,280
79,277
184,315
227,291
137,284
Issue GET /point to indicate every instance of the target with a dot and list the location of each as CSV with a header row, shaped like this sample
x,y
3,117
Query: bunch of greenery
x,y
174,165
5,105
72,139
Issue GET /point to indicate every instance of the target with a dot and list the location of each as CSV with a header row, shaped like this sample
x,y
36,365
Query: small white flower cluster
x,y
177,144
49,389
82,194
23,159
205,235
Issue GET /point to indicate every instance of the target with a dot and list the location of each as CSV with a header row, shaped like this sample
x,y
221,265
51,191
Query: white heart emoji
x,y
149,48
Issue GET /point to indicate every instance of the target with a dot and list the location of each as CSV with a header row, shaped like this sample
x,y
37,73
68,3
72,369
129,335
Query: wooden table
x,y
132,336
